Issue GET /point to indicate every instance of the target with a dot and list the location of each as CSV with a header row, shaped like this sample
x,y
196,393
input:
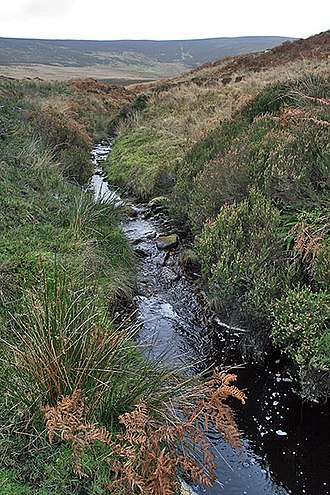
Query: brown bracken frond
x,y
289,114
68,419
308,242
149,455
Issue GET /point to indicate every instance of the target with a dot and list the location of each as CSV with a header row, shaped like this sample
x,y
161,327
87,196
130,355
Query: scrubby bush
x,y
301,328
300,319
242,256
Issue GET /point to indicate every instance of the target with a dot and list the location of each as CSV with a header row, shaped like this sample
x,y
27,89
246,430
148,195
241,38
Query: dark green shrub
x,y
300,320
301,329
269,100
241,254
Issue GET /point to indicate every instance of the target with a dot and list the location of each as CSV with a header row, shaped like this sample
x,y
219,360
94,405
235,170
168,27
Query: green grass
x,y
142,161
40,469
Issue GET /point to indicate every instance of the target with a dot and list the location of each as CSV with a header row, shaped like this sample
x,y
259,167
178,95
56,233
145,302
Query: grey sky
x,y
170,19
34,9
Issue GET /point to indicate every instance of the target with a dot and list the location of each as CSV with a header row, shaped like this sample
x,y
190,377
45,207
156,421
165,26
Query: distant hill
x,y
131,59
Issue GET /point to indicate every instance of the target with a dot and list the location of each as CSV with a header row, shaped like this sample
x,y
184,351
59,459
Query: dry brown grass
x,y
191,106
61,73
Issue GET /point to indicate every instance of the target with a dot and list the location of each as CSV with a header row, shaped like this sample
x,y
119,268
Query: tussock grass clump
x,y
57,344
65,361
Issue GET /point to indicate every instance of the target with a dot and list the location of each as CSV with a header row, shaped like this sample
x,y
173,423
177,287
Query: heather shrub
x,y
224,180
278,142
242,256
190,201
300,319
294,170
301,328
267,101
309,238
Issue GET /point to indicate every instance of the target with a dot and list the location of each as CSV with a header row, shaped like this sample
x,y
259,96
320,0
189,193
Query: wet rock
x,y
129,211
151,235
169,260
136,241
147,214
189,260
167,241
141,253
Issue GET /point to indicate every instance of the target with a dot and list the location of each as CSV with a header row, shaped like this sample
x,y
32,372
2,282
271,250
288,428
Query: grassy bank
x,y
82,412
243,154
64,263
153,141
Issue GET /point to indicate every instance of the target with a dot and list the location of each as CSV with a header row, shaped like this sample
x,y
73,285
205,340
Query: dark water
x,y
286,443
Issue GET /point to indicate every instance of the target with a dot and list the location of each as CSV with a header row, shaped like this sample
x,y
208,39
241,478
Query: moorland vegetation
x,y
82,411
241,148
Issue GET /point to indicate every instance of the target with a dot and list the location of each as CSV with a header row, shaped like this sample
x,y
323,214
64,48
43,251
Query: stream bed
x,y
286,442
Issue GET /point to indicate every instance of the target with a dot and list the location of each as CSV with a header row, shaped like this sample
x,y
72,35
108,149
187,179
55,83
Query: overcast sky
x,y
166,19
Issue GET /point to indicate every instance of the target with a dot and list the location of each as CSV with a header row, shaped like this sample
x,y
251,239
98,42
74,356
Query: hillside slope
x,y
241,147
144,59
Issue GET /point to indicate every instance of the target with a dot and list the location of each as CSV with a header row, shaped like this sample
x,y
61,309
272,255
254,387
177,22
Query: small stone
x,y
167,241
129,211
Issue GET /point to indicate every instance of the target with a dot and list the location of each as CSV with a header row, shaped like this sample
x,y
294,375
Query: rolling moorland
x,y
143,60
239,150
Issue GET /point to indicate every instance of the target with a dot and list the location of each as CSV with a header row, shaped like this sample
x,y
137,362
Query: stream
x,y
286,442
